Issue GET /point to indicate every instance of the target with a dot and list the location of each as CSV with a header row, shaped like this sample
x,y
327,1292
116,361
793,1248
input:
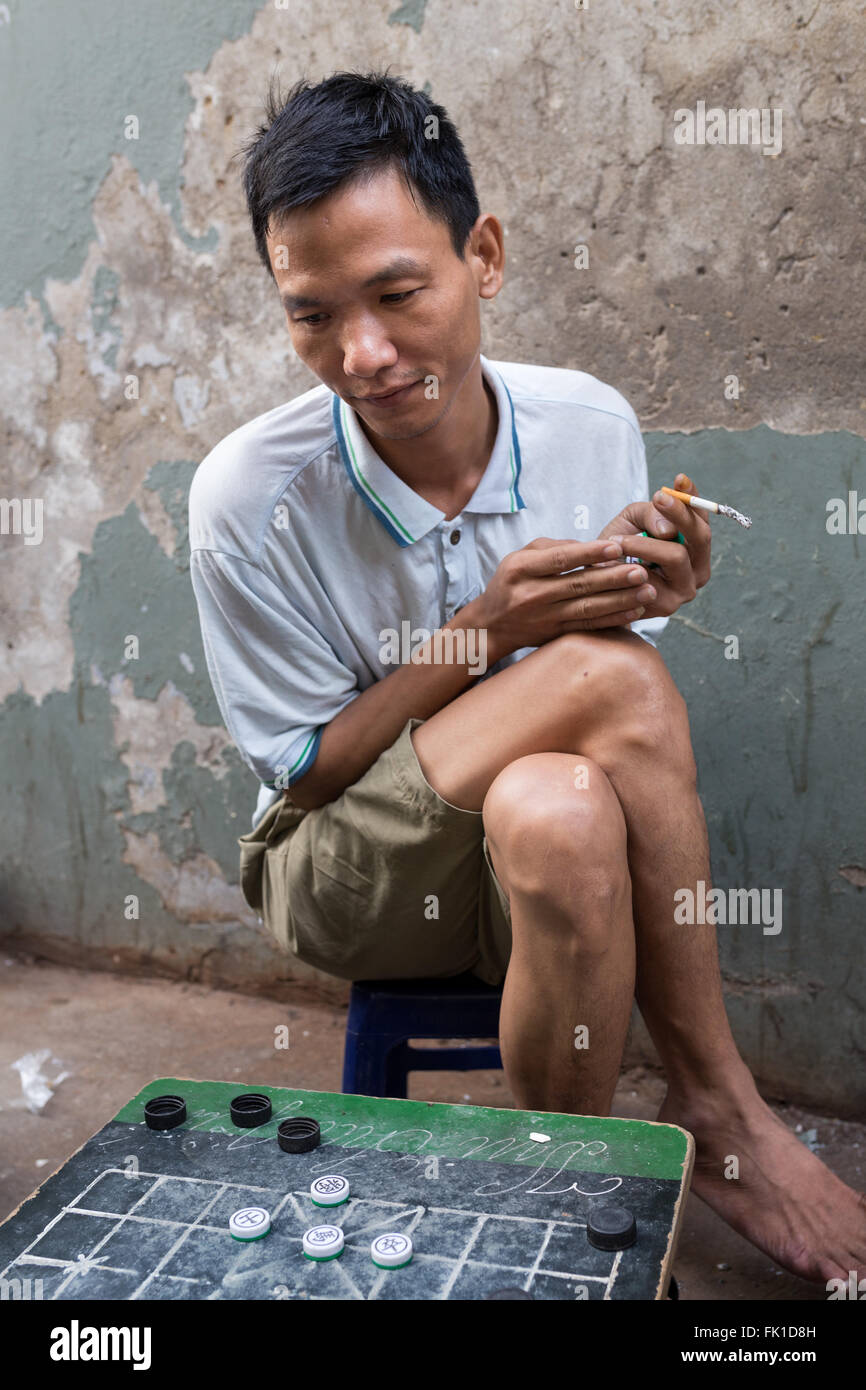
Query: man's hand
x,y
683,569
539,592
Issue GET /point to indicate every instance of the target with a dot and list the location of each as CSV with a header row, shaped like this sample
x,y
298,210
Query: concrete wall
x,y
723,296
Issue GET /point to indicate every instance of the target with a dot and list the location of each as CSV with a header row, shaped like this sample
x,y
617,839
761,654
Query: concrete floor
x,y
113,1033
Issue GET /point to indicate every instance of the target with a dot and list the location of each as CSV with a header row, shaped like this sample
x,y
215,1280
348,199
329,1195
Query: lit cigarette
x,y
709,506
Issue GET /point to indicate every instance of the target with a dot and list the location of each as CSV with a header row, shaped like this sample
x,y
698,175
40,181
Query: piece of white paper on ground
x,y
37,1086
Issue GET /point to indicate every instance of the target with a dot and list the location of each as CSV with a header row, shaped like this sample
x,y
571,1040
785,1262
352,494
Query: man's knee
x,y
634,699
555,828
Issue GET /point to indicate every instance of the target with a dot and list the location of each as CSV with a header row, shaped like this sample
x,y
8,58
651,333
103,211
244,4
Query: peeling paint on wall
x,y
95,68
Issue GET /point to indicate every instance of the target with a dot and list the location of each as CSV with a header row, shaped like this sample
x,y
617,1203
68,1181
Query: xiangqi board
x,y
139,1213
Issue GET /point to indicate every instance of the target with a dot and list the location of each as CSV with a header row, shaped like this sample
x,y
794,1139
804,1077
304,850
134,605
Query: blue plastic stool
x,y
384,1014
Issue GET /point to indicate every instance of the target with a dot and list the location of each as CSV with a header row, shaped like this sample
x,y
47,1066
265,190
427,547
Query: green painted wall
x,y
776,735
71,74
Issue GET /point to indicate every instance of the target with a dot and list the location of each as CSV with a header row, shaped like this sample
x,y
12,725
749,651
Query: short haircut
x,y
342,130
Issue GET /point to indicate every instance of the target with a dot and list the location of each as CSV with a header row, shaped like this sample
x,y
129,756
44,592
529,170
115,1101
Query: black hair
x,y
343,129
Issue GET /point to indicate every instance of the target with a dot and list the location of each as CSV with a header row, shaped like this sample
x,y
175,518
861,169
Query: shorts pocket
x,y
251,869
279,819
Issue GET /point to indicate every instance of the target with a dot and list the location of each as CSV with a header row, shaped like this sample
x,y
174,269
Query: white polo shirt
x,y
306,549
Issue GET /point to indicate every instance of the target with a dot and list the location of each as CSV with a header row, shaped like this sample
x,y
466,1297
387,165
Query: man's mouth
x,y
392,395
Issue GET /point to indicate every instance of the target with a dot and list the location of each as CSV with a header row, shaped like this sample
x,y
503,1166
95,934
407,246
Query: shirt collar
x,y
405,515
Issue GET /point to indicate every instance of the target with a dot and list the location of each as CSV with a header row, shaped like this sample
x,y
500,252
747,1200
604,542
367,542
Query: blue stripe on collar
x,y
362,487
514,490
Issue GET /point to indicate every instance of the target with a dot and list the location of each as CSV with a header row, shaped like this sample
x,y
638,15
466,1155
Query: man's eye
x,y
397,296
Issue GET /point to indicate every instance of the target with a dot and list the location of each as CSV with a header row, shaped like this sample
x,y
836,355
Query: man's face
x,y
418,321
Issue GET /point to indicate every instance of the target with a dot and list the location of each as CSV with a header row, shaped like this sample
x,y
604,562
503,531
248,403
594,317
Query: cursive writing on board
x,y
555,1173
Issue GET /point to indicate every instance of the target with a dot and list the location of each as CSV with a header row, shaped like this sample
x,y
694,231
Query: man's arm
x,y
371,722
529,601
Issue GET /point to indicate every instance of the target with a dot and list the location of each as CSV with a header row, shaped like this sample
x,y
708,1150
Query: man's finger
x,y
696,530
697,536
675,511
621,585
675,508
642,516
559,556
673,558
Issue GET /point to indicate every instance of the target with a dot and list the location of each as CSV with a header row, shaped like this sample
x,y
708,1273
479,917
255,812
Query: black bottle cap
x,y
165,1112
610,1227
250,1110
298,1135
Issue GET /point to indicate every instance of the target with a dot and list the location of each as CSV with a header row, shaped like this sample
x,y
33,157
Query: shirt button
x,y
454,537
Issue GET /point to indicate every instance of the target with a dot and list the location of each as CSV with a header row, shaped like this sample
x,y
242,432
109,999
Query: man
x,y
520,799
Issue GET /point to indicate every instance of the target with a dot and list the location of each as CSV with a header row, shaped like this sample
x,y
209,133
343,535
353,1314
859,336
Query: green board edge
x,y
578,1143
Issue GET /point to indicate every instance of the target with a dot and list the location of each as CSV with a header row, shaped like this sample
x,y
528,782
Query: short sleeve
x,y
647,628
277,681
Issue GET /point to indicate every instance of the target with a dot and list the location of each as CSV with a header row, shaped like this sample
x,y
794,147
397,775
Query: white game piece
x,y
323,1242
540,1138
391,1250
329,1191
250,1223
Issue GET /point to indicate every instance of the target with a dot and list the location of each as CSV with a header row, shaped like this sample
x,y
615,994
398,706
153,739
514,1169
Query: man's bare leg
x,y
607,696
573,961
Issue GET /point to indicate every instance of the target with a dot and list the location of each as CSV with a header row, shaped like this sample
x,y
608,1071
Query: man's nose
x,y
367,349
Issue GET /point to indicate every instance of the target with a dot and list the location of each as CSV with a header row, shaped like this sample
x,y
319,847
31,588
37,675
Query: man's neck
x,y
445,465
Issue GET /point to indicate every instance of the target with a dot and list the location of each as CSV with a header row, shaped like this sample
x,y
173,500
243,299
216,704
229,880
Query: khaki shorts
x,y
387,882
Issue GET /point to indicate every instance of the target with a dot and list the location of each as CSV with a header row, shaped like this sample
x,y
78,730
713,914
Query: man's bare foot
x,y
785,1200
